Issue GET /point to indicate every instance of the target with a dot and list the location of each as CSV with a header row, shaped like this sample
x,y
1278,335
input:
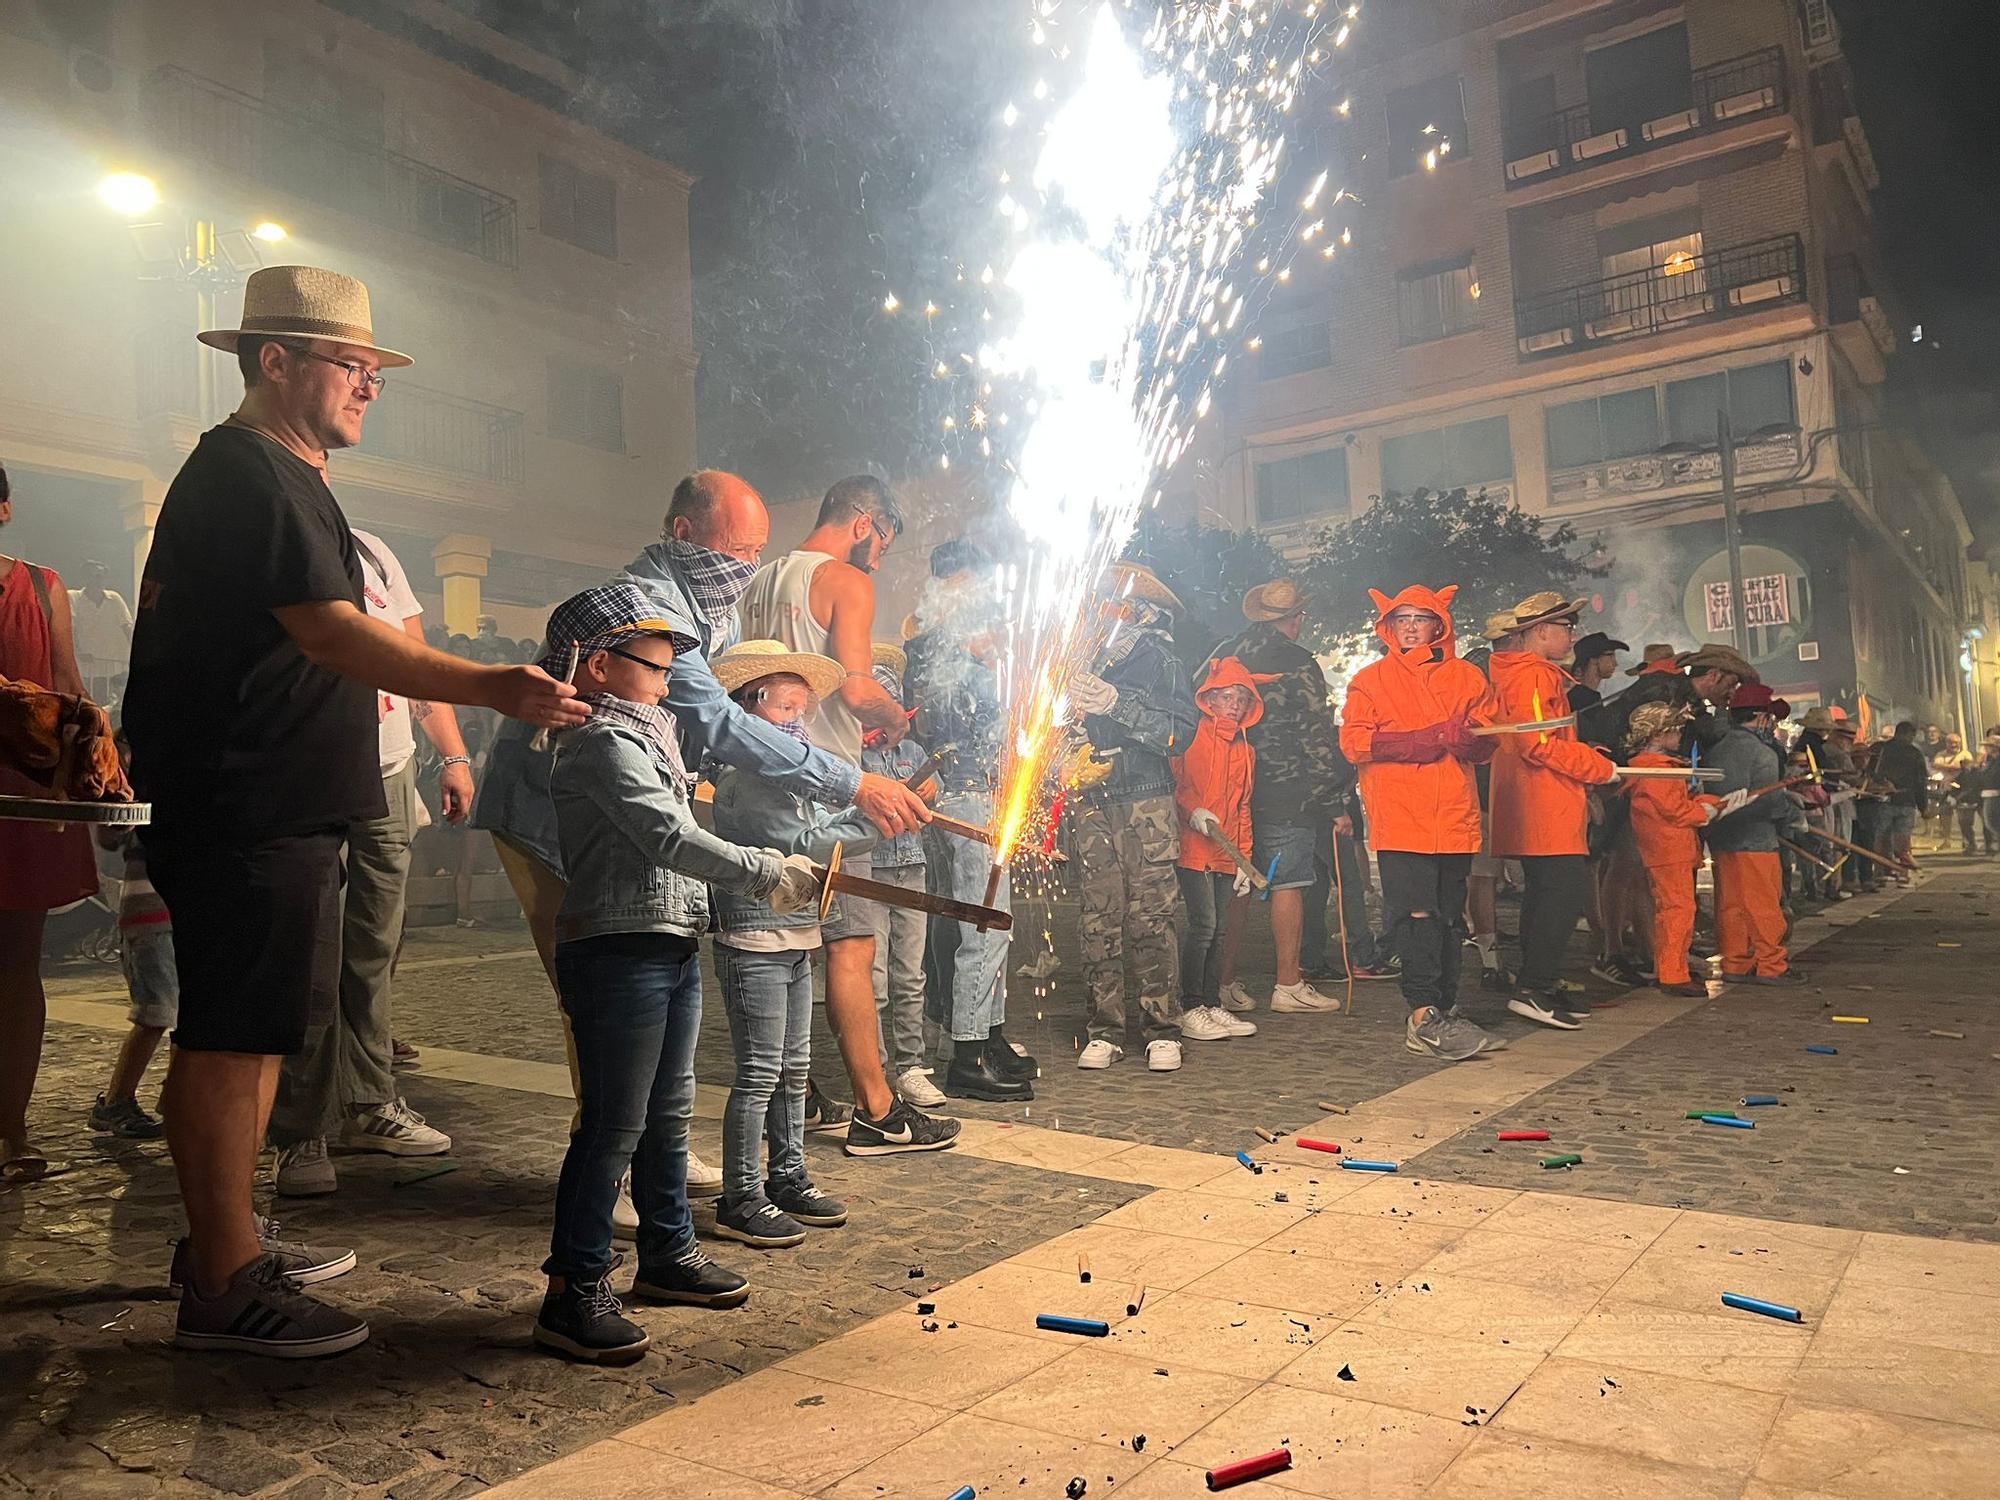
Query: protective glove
x,y
1416,747
797,888
1735,802
1204,822
1241,885
1092,694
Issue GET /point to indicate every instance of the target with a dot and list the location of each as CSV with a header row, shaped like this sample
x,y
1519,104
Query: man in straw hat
x,y
1137,707
251,711
1302,781
1540,800
1701,681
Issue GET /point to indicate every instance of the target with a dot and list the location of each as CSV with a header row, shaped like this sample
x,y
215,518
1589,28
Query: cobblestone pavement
x,y
447,1399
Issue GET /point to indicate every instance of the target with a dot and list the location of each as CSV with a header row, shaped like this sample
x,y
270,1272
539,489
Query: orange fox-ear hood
x,y
1416,596
1228,671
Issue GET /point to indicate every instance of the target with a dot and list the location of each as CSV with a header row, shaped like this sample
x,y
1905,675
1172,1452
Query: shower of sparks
x,y
1145,190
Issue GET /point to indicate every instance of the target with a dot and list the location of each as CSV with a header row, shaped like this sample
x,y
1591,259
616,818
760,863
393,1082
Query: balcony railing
x,y
1851,298
1721,94
306,156
428,429
1717,284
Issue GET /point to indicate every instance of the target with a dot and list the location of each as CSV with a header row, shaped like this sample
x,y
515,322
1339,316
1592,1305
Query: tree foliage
x,y
1211,568
1496,553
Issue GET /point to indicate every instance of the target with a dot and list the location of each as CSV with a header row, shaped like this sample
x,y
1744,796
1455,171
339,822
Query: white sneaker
x,y
1236,998
393,1129
1099,1053
1202,1023
624,1217
1289,998
916,1089
1230,1023
304,1170
1163,1056
703,1181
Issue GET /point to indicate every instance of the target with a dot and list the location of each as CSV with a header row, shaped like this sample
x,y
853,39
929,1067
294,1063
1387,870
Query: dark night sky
x,y
836,142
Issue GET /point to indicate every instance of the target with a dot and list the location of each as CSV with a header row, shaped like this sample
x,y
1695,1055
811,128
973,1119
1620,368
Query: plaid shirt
x,y
654,722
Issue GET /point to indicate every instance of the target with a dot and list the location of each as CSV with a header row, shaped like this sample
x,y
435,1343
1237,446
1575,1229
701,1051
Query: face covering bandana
x,y
716,579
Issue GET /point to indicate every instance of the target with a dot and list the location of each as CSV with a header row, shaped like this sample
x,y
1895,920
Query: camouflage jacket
x,y
1301,775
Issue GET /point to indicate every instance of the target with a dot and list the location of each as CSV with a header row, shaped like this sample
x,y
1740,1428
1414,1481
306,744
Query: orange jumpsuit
x,y
1664,817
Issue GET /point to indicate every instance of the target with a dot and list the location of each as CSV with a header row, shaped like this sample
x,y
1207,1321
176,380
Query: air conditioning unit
x,y
1808,650
1822,31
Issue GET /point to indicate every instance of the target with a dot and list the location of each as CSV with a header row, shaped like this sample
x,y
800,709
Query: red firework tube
x,y
1524,1135
1312,1145
1055,821
1246,1469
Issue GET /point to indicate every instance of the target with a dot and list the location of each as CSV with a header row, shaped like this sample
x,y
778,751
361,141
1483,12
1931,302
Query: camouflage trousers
x,y
1131,901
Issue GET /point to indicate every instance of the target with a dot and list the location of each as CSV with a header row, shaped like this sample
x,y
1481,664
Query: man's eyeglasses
x,y
875,526
358,378
661,667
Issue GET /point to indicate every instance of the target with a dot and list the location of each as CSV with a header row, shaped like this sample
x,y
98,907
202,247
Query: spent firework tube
x,y
1759,1305
1246,1469
1730,1120
1549,1163
1822,1049
964,1492
1523,1135
1246,1161
1095,1328
1356,1164
1751,1100
1331,1147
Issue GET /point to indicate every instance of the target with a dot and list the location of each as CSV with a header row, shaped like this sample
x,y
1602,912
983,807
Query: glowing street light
x,y
271,232
129,193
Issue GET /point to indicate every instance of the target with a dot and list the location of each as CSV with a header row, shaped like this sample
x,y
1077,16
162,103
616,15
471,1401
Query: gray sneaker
x,y
304,1170
1442,1034
125,1118
1489,1041
262,1311
305,1264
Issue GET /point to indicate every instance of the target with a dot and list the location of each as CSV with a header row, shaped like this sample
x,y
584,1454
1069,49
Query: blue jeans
x,y
979,968
634,1005
769,1000
1207,896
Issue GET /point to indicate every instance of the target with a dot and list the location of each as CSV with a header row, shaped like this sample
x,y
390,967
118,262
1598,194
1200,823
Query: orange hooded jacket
x,y
1219,770
1430,808
1538,801
1665,815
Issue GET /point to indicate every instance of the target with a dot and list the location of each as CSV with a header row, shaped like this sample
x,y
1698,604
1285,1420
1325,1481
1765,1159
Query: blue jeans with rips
x,y
634,1007
768,997
979,969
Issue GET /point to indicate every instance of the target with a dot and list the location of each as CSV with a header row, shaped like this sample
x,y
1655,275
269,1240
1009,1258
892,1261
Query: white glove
x,y
1092,694
1202,821
1241,886
1736,801
797,888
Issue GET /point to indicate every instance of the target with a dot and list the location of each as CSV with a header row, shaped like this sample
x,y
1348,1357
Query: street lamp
x,y
129,193
271,232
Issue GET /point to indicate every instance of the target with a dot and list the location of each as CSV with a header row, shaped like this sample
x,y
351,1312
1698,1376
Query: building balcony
x,y
1692,289
1721,94
1621,479
303,155
1862,326
427,429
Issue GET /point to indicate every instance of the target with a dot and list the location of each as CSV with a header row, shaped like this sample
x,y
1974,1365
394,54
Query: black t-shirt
x,y
236,736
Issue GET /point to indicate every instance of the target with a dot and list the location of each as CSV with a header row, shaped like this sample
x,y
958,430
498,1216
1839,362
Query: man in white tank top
x,y
821,598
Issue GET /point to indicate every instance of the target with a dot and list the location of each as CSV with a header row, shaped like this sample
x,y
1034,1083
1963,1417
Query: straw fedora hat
x,y
1137,581
1539,609
1498,625
1720,657
1279,599
746,661
1819,720
1649,653
889,654
304,302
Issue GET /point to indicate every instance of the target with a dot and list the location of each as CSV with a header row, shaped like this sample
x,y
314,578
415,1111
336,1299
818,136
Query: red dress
x,y
40,868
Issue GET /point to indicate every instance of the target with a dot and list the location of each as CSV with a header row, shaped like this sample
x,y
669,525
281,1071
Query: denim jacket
x,y
906,850
751,810
637,860
514,797
1153,720
957,699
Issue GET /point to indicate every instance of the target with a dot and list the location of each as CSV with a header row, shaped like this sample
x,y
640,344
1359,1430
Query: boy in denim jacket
x,y
763,957
629,974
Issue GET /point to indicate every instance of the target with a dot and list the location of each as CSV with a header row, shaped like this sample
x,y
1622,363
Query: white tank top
x,y
778,607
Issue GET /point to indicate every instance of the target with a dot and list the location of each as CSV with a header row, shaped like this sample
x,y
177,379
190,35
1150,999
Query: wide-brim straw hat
x,y
1539,609
305,302
1649,653
889,654
1651,719
1279,599
746,661
1715,655
1137,581
1818,720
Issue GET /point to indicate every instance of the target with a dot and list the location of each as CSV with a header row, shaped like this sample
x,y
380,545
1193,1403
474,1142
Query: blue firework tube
x,y
1730,1120
1355,1164
1095,1328
1759,1305
1751,1100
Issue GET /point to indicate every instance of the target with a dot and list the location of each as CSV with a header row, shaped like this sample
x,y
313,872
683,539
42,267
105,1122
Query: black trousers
x,y
1558,888
1431,945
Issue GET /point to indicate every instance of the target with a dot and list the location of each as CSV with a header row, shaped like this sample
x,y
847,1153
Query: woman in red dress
x,y
40,867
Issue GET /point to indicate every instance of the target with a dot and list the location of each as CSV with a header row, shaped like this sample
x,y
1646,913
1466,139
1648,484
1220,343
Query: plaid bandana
x,y
715,579
796,728
654,722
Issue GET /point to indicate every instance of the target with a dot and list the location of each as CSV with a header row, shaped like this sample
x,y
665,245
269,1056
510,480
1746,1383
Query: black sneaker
x,y
1789,979
824,1115
902,1129
585,1321
758,1222
305,1264
807,1204
692,1278
1544,1011
262,1311
1496,977
125,1119
1010,1058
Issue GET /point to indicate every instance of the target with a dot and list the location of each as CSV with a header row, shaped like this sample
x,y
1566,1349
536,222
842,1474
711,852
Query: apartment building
x,y
1587,228
535,267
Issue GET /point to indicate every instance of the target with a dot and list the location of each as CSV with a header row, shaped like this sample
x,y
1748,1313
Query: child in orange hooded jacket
x,y
1665,815
1407,727
1212,784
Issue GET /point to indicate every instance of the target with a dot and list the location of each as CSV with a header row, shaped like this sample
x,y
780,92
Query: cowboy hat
x,y
1720,658
1649,653
746,661
1279,599
1597,644
1755,696
1651,719
1137,581
304,302
1819,720
888,654
1539,609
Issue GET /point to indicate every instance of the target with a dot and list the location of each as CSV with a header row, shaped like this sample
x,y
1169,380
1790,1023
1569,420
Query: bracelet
x,y
456,760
